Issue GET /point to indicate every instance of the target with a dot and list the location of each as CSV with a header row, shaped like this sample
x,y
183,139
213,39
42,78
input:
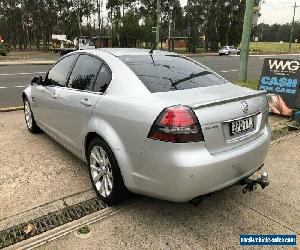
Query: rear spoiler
x,y
223,101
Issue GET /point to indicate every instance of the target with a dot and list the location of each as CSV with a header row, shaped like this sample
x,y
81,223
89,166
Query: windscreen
x,y
161,73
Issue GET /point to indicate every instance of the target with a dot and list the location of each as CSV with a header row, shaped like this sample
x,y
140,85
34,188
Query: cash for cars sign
x,y
281,77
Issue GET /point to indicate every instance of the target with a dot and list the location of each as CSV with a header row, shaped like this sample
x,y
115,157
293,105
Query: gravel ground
x,y
35,169
216,223
38,176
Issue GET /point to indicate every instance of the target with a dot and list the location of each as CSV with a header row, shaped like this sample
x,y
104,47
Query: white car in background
x,y
229,50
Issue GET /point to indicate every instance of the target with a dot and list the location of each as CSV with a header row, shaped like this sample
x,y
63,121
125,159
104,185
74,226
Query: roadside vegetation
x,y
83,230
252,84
24,24
3,50
273,47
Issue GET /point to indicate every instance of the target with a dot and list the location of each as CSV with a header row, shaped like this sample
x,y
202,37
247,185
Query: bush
x,y
3,50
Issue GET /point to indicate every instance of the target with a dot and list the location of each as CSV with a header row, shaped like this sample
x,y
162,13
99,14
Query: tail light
x,y
176,124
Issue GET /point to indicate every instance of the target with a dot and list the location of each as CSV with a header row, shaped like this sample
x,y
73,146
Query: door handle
x,y
86,102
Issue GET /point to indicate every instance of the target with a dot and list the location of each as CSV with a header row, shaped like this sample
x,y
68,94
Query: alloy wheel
x,y
101,171
28,114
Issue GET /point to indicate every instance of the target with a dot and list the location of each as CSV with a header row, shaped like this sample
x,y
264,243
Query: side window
x,y
103,79
57,76
84,73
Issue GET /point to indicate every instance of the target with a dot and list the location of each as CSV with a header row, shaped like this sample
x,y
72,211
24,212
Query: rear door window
x,y
161,73
103,79
84,73
57,75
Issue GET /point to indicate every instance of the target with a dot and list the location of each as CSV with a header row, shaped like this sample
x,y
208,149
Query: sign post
x,y
281,78
246,40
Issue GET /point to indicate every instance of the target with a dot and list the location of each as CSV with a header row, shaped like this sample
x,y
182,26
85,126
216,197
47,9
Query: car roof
x,y
132,51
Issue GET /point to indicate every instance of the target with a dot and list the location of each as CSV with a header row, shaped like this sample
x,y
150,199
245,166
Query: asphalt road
x,y
14,78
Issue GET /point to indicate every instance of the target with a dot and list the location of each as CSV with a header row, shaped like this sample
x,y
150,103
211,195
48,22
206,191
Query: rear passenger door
x,y
78,100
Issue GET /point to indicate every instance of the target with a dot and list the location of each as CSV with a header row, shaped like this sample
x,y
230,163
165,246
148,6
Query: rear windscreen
x,y
161,73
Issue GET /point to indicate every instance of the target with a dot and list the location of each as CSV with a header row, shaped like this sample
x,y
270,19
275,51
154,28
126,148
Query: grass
x,y
252,84
260,48
256,48
280,133
84,230
273,47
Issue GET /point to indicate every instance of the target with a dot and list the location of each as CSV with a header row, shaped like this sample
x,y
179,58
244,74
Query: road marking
x,y
8,109
25,73
231,70
18,86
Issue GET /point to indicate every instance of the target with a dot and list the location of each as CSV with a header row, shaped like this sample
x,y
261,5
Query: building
x,y
106,41
182,42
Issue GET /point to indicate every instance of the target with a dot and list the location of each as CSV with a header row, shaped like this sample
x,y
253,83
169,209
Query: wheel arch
x,y
26,93
92,134
110,136
89,138
87,141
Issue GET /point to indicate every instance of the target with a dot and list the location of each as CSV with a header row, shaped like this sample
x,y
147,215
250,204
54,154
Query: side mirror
x,y
37,80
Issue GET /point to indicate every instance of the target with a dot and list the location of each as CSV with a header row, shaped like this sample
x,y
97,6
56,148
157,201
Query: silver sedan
x,y
228,50
150,122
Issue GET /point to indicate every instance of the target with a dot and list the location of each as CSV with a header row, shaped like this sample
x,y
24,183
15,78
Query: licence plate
x,y
242,125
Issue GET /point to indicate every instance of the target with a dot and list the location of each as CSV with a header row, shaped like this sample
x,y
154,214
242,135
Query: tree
x,y
27,22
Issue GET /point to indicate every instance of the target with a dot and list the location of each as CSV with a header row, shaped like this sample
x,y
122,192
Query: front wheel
x,y
105,173
29,119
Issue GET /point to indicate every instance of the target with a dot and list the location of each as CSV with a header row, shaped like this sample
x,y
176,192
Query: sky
x,y
275,11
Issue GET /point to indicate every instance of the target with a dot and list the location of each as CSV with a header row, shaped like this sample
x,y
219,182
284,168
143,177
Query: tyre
x,y
238,53
220,54
105,173
29,118
229,53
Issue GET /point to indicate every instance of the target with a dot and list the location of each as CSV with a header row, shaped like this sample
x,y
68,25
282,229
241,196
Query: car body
x,y
176,129
229,50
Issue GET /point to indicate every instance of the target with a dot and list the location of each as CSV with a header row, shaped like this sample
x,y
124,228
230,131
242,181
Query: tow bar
x,y
249,185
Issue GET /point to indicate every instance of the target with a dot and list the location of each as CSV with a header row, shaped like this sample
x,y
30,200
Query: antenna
x,y
151,51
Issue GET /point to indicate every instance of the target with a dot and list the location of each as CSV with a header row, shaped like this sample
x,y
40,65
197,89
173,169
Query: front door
x,y
45,97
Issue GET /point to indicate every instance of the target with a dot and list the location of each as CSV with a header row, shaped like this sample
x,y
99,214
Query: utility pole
x,y
79,17
170,22
292,29
169,35
157,23
99,20
246,40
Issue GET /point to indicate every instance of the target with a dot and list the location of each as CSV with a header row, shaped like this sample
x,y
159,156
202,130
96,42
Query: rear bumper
x,y
181,172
